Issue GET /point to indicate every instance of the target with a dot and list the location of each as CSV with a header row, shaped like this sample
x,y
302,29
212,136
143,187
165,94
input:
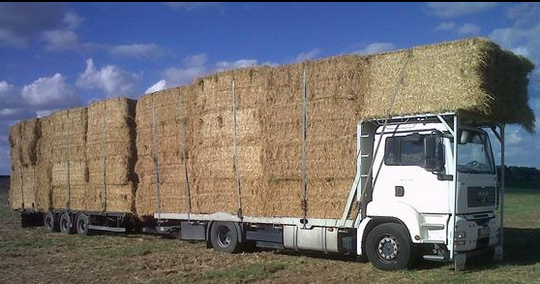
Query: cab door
x,y
401,174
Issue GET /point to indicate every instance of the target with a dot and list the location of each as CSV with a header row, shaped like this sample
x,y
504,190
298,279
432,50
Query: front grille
x,y
481,196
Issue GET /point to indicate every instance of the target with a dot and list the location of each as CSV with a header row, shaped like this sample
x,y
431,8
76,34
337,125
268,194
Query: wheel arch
x,y
376,221
239,231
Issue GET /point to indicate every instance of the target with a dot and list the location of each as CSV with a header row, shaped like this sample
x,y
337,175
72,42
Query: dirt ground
x,y
31,255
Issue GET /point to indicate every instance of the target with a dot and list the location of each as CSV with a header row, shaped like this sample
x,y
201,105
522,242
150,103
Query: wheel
x,y
388,247
65,223
26,221
224,237
81,224
48,222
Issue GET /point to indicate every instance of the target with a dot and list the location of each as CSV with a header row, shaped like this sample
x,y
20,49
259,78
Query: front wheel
x,y
388,247
224,237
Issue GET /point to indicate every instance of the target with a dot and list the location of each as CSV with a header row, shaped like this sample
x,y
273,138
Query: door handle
x,y
400,191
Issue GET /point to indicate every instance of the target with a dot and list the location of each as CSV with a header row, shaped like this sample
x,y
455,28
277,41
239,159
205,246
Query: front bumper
x,y
475,232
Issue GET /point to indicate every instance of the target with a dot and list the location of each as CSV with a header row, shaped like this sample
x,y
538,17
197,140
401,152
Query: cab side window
x,y
404,150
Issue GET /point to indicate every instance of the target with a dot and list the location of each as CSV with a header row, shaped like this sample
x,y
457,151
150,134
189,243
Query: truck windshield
x,y
474,153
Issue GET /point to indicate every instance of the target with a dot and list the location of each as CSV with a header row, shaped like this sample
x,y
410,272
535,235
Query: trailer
x,y
416,191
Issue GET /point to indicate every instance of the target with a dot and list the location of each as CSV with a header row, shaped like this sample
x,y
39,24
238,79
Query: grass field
x,y
31,255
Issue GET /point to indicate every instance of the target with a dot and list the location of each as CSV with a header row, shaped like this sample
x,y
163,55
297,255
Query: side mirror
x,y
433,153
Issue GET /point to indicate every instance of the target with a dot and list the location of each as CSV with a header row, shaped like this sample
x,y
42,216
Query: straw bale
x,y
169,148
22,187
110,153
110,197
76,196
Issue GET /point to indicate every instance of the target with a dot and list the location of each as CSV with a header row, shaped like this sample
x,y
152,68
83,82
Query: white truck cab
x,y
443,195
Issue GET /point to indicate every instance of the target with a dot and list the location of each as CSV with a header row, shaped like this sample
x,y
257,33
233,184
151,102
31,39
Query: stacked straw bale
x,y
472,76
111,155
62,155
213,151
23,139
165,108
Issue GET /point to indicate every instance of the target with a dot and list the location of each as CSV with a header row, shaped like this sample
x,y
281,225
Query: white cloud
x,y
376,47
469,29
189,6
137,50
9,111
457,9
59,40
194,67
197,65
446,26
308,55
6,89
72,20
196,60
242,63
22,22
47,91
160,85
112,80
42,113
463,30
64,38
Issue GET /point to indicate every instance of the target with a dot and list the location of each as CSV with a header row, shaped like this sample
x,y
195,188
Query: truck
x,y
400,155
425,185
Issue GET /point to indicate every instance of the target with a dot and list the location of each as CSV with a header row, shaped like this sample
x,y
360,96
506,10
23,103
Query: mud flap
x,y
498,255
459,261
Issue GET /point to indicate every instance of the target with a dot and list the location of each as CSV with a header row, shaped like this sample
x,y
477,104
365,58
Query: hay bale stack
x,y
23,139
333,88
62,155
169,145
110,154
213,148
473,75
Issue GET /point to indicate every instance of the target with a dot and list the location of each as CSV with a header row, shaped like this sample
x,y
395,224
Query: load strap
x,y
104,159
184,155
235,152
156,162
304,147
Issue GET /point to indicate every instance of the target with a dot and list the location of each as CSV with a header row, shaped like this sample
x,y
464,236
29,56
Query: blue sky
x,y
54,56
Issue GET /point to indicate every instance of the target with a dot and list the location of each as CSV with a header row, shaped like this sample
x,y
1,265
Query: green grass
x,y
250,272
522,208
153,259
25,242
523,184
5,211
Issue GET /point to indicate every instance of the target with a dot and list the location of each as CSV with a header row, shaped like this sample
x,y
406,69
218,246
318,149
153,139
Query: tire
x,y
66,224
81,224
224,237
388,247
49,223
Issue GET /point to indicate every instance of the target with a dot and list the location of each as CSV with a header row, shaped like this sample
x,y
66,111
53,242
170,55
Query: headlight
x,y
460,235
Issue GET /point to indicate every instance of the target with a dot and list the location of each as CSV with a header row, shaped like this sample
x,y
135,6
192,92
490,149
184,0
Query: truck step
x,y
438,258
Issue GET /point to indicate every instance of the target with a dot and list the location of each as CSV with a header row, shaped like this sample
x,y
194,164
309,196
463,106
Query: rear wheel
x,y
66,223
48,222
388,247
81,224
224,237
